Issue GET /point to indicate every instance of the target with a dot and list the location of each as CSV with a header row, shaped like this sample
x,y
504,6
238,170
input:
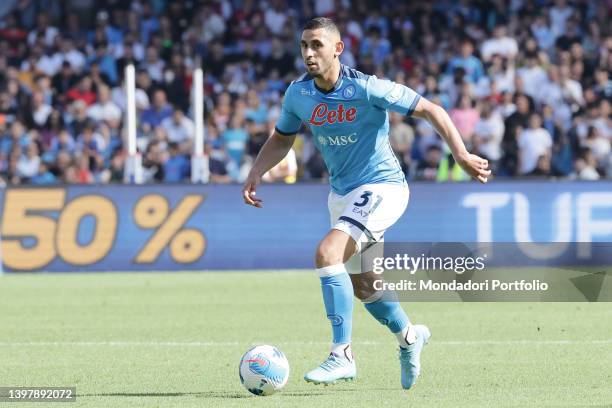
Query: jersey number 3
x,y
366,197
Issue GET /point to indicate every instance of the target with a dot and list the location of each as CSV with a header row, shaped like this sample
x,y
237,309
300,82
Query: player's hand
x,y
249,191
475,166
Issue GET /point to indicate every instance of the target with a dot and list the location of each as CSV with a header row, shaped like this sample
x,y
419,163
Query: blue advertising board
x,y
195,227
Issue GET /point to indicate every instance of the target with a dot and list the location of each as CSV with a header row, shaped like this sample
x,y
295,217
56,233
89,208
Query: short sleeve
x,y
389,95
288,123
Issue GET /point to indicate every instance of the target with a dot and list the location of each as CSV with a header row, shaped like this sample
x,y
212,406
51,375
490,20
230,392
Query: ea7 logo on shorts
x,y
365,199
322,114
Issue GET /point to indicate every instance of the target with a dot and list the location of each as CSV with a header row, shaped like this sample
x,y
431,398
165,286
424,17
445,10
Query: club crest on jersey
x,y
322,115
349,91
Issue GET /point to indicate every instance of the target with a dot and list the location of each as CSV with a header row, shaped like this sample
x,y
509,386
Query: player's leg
x,y
385,308
333,250
387,204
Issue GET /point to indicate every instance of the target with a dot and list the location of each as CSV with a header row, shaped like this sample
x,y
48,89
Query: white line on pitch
x,y
289,343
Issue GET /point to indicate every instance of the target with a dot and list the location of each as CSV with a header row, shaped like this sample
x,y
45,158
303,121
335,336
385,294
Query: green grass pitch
x,y
175,340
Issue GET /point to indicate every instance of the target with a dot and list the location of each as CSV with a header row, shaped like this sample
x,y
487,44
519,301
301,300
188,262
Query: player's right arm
x,y
273,151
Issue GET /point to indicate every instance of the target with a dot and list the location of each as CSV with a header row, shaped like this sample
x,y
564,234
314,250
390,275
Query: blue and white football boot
x,y
410,358
335,368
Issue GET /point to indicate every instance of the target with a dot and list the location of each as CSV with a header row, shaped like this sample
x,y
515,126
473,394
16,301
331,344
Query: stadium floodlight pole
x,y
199,162
133,164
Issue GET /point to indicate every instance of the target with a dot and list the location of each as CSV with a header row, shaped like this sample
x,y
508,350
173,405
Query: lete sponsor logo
x,y
322,114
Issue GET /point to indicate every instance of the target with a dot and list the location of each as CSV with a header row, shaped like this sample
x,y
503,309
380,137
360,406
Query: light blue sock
x,y
388,312
338,298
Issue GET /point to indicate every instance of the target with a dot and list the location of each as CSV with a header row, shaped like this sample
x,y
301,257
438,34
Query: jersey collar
x,y
336,85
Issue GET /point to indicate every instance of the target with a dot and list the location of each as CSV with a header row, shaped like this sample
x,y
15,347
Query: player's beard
x,y
320,70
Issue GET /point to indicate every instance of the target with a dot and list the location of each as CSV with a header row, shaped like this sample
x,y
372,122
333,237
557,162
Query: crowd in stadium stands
x,y
527,82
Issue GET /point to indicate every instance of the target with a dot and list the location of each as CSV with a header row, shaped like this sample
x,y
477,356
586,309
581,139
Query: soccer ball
x,y
264,370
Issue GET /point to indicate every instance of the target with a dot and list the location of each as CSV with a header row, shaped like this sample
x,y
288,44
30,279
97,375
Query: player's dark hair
x,y
322,22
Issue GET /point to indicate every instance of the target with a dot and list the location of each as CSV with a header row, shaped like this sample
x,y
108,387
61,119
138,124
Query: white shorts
x,y
366,212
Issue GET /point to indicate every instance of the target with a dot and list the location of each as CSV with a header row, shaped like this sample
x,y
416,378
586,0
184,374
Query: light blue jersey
x,y
350,125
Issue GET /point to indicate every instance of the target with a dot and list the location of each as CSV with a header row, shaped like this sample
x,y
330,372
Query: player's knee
x,y
362,293
327,255
363,287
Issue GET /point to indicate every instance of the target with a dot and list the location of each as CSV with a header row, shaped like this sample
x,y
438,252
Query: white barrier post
x,y
133,163
199,162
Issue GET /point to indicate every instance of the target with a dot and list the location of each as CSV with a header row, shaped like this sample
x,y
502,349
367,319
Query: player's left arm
x,y
392,96
474,165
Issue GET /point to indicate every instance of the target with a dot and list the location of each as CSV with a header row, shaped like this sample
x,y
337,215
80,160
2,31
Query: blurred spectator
x,y
104,109
562,160
585,166
70,56
178,127
465,117
559,14
63,81
29,163
153,64
532,74
82,92
217,164
275,16
571,89
599,146
43,176
117,165
235,137
542,168
488,134
513,126
152,161
428,168
62,143
38,114
176,167
89,142
159,110
256,111
375,46
401,136
83,172
471,65
285,171
500,44
43,31
541,30
119,98
603,87
533,143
